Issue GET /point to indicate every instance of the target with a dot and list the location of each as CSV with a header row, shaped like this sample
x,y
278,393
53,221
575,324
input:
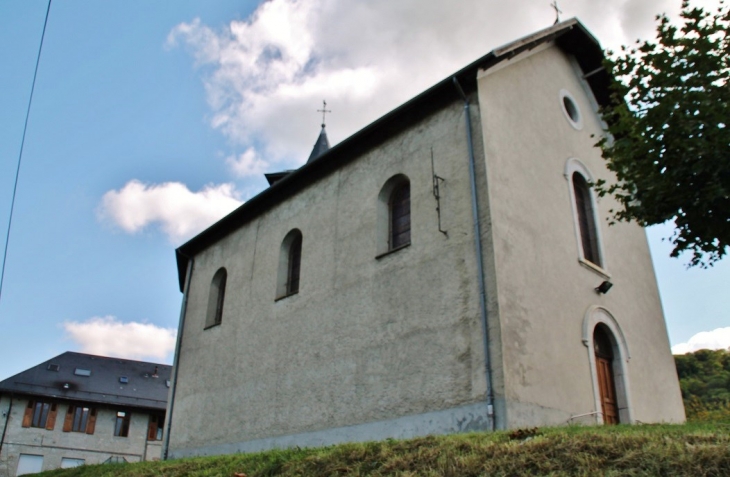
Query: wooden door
x,y
604,371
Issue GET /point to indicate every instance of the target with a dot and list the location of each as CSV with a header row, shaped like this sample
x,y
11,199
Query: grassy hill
x,y
698,449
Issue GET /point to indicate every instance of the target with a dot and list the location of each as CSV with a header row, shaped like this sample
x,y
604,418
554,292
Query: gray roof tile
x,y
143,389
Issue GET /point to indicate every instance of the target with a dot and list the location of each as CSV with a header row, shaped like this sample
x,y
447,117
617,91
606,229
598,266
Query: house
x,y
447,268
78,409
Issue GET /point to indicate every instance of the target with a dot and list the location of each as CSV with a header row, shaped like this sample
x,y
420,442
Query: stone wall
x,y
545,293
368,339
54,445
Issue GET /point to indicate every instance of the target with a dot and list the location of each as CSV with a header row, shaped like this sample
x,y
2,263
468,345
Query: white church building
x,y
447,268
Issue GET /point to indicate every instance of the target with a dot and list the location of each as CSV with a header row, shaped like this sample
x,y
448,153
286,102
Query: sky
x,y
153,119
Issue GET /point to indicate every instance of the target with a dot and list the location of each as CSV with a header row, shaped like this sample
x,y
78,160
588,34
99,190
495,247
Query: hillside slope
x,y
691,449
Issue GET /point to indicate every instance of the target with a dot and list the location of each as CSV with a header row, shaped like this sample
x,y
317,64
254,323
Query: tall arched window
x,y
290,260
295,261
400,215
393,225
586,219
216,297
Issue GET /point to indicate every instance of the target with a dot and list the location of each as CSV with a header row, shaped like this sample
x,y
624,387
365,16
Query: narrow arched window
x,y
400,215
586,219
295,261
290,264
393,219
216,298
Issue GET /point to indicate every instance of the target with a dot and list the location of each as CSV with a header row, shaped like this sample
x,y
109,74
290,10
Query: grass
x,y
695,449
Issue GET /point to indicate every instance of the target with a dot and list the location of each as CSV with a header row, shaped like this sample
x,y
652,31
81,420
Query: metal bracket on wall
x,y
436,182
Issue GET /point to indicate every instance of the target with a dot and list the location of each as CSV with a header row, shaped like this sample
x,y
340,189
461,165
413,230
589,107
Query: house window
x,y
69,463
29,464
295,263
570,109
40,414
400,216
585,216
80,418
157,423
394,215
121,425
586,219
290,264
217,295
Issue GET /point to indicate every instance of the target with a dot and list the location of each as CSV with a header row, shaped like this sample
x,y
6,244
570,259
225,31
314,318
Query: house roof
x,y
570,35
95,379
274,177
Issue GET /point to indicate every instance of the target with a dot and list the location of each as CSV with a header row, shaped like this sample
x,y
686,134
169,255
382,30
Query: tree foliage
x,y
669,132
704,377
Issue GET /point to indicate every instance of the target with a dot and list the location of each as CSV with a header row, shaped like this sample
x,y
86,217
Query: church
x,y
447,268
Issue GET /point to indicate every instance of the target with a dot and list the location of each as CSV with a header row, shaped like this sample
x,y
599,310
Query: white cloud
x,y
107,336
179,212
718,338
265,76
247,164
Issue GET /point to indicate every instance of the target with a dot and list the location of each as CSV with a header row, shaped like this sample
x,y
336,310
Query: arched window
x,y
585,215
216,297
586,219
400,216
290,260
394,214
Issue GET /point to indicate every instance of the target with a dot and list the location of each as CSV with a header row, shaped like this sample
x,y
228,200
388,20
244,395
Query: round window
x,y
570,109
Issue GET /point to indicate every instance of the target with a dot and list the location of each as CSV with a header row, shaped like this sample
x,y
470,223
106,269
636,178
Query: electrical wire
x,y
20,154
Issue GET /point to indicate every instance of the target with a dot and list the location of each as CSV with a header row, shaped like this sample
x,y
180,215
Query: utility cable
x,y
20,154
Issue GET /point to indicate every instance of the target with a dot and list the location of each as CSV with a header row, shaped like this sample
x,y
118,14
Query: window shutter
x,y
152,429
51,422
28,416
91,425
69,420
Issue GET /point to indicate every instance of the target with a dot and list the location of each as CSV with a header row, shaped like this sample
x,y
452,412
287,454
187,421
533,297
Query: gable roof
x,y
571,36
58,378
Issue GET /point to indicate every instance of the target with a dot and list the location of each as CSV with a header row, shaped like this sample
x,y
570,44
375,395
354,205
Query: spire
x,y
322,145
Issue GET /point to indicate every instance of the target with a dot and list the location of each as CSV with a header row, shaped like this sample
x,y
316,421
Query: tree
x,y
669,132
704,377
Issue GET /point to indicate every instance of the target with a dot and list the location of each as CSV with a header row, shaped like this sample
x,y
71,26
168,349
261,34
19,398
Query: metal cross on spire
x,y
324,110
558,11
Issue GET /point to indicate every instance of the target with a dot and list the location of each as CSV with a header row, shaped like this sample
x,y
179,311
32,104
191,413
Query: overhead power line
x,y
20,154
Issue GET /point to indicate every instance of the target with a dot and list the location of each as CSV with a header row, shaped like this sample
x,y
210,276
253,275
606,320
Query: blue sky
x,y
151,119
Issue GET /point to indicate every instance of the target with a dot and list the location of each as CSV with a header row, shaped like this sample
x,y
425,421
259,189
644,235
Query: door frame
x,y
598,315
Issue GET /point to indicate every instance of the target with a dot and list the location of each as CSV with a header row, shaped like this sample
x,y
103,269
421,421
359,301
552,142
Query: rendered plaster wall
x,y
55,444
543,292
367,340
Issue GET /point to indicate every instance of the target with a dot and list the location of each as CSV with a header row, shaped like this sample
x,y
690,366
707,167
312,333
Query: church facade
x,y
448,268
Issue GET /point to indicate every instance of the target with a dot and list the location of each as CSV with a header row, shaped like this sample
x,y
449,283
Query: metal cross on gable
x,y
324,110
558,11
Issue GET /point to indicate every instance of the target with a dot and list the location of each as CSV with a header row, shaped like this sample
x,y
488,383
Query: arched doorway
x,y
608,356
603,349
